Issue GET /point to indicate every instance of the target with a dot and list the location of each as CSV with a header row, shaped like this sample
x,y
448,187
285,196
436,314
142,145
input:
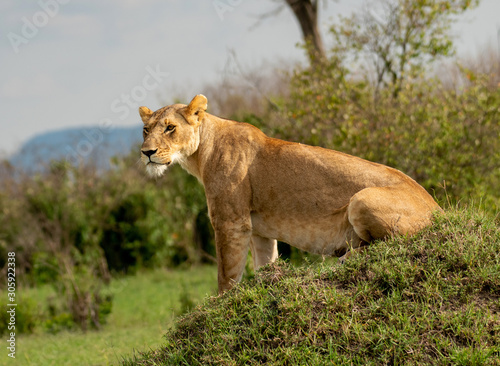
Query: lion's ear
x,y
195,111
145,113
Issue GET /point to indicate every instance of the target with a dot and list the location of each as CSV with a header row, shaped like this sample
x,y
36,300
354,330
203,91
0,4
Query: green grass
x,y
144,308
431,299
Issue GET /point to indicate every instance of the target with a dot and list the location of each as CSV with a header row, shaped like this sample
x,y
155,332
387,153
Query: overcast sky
x,y
67,63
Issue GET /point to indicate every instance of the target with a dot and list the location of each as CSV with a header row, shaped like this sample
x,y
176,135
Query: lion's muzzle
x,y
149,153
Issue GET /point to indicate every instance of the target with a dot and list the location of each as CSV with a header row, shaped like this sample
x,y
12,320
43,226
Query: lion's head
x,y
171,134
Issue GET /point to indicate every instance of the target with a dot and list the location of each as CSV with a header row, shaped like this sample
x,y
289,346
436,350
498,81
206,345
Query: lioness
x,y
260,189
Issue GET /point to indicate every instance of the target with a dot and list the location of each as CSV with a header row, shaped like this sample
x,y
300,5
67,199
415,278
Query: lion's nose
x,y
148,153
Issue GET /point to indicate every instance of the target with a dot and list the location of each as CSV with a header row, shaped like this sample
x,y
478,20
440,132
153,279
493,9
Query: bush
x,y
116,220
27,316
59,323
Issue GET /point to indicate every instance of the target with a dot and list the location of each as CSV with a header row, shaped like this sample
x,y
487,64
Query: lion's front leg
x,y
232,240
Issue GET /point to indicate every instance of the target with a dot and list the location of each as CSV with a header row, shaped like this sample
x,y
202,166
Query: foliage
x,y
115,221
59,322
144,306
26,317
431,299
398,39
83,225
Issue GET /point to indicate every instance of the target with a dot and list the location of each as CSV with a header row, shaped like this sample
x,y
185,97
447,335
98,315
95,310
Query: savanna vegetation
x,y
389,90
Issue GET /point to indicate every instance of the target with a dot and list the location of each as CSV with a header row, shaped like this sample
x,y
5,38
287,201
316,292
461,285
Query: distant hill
x,y
78,145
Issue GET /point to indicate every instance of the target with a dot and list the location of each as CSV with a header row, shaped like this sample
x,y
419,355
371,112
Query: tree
x,y
306,12
397,39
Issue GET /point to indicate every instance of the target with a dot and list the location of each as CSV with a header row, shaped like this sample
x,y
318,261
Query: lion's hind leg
x,y
375,213
346,241
263,250
378,212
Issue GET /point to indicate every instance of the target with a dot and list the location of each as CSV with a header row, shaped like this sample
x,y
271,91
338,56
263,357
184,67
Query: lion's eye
x,y
145,130
169,128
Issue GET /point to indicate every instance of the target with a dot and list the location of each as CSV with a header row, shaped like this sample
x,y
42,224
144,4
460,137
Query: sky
x,y
71,63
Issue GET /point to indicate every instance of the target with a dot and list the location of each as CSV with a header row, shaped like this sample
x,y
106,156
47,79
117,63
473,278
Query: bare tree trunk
x,y
306,12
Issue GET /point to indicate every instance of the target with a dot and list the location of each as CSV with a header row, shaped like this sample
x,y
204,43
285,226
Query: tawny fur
x,y
260,190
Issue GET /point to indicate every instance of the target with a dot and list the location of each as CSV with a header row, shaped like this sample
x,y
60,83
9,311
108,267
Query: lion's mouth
x,y
155,163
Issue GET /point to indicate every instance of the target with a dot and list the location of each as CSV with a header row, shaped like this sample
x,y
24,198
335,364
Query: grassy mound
x,y
430,299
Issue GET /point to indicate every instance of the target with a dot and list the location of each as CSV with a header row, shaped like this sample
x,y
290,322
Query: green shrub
x,y
59,323
27,316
